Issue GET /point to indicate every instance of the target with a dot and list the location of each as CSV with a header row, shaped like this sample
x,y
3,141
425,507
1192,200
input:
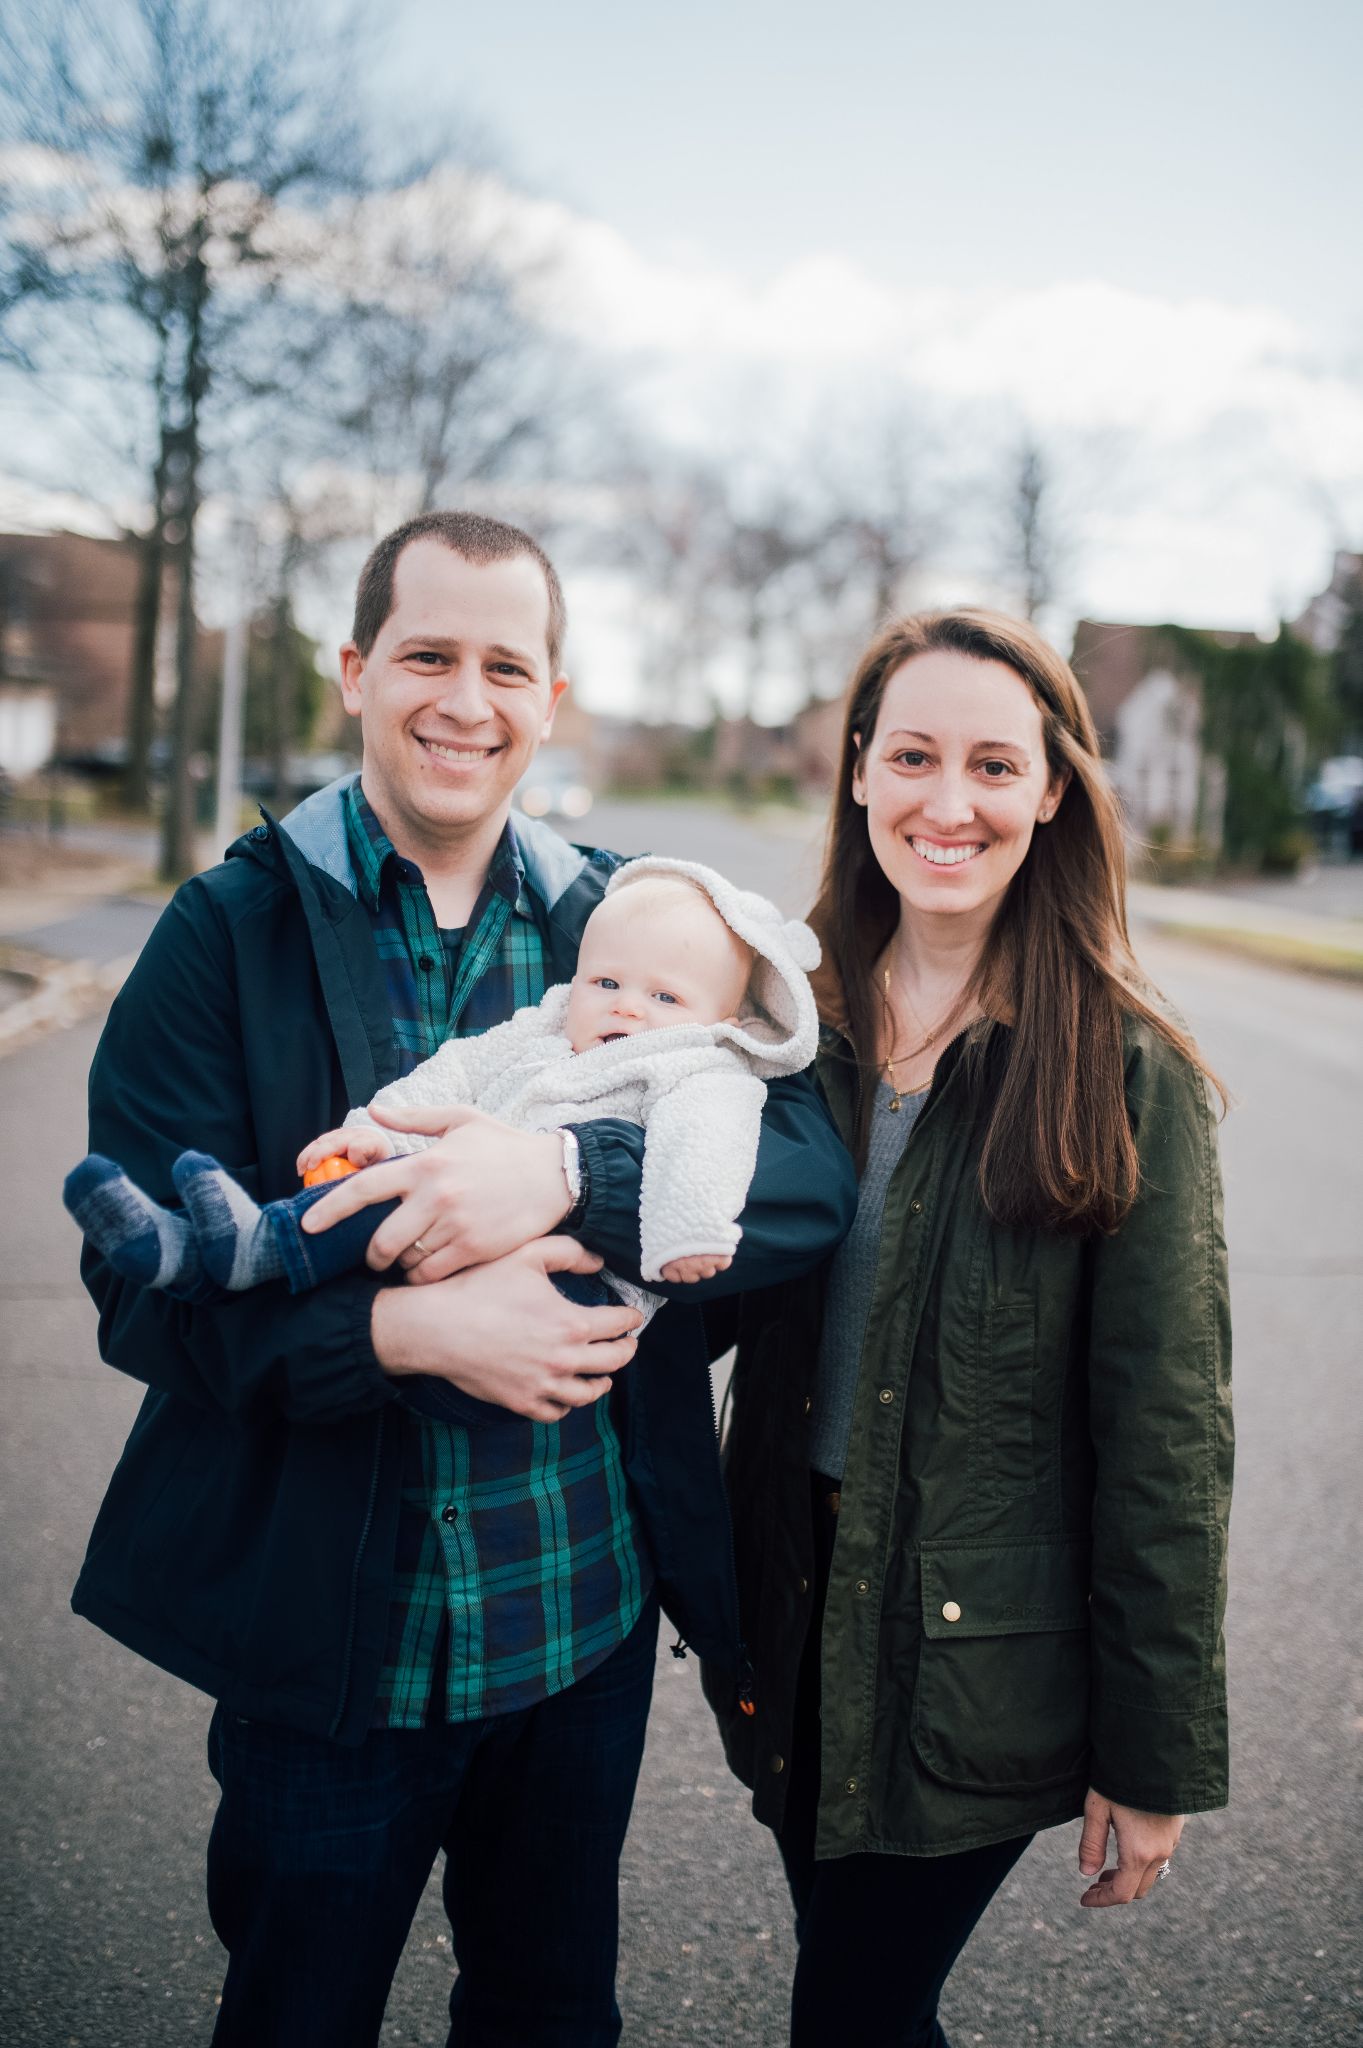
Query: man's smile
x,y
460,755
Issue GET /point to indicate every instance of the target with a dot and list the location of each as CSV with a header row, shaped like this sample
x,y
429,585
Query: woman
x,y
979,1466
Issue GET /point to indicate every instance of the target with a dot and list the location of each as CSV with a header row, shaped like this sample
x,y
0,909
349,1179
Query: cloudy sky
x,y
1130,232
1134,230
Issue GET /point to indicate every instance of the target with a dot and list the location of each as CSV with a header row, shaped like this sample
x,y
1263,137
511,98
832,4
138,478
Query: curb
x,y
67,992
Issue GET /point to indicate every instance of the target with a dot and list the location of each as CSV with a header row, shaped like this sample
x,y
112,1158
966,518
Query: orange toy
x,y
334,1167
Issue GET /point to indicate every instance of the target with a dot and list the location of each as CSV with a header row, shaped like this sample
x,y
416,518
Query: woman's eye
x,y
910,758
997,770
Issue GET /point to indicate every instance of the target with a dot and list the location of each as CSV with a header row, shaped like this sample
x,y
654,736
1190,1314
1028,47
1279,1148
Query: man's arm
x,y
170,1072
800,1205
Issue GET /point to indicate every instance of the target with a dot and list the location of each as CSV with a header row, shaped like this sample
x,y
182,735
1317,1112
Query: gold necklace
x,y
891,1061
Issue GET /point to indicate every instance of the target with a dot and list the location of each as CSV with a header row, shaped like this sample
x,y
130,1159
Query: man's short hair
x,y
469,534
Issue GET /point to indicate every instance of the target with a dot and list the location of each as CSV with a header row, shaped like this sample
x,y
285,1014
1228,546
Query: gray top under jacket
x,y
851,1282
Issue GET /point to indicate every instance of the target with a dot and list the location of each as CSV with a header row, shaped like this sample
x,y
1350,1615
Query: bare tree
x,y
171,143
1033,548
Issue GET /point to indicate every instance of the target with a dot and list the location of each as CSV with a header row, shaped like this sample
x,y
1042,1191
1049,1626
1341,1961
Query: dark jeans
x,y
877,1935
319,1855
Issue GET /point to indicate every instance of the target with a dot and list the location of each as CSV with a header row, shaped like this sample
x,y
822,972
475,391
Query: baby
x,y
689,994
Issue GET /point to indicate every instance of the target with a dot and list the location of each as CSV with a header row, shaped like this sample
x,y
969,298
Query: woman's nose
x,y
948,803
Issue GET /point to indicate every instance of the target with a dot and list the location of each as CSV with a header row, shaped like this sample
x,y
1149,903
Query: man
x,y
398,1532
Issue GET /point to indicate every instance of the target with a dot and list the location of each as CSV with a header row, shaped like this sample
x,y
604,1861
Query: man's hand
x,y
1144,1842
503,1332
699,1266
483,1189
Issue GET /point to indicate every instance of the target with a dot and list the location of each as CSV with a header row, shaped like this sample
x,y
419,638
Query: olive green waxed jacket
x,y
1028,1581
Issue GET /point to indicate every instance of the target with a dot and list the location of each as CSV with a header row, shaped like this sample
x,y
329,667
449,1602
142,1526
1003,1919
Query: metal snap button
x,y
778,1764
950,1611
850,1786
886,1396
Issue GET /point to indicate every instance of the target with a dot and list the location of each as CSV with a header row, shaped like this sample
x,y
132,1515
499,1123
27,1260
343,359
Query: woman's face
x,y
954,780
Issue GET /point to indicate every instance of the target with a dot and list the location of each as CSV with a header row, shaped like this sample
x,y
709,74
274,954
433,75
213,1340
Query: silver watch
x,y
572,1170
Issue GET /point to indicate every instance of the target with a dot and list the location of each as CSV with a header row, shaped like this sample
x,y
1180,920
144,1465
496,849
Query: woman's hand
x,y
356,1142
1145,1841
482,1190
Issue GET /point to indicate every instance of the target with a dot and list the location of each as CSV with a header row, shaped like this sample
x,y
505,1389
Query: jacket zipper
x,y
355,1574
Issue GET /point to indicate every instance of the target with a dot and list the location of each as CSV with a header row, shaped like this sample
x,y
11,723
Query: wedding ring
x,y
418,1246
1162,1872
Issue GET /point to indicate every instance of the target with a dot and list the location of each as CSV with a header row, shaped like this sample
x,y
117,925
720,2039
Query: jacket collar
x,y
317,829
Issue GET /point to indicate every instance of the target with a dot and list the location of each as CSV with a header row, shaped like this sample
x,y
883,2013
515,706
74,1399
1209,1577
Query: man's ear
x,y
352,669
556,689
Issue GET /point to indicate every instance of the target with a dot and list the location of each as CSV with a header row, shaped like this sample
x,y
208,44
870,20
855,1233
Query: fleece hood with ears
x,y
778,1030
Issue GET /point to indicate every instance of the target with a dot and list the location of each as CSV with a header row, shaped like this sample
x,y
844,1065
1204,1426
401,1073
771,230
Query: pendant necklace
x,y
891,1061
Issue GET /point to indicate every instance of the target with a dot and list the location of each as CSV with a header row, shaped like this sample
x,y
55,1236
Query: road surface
x,y
1256,1936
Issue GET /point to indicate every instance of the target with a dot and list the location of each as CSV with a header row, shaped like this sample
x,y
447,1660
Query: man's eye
x,y
427,656
507,668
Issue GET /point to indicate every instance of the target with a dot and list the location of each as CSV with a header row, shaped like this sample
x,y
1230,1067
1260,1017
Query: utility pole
x,y
232,717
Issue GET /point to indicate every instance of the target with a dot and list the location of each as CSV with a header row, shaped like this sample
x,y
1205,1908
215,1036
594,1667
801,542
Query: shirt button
x,y
803,1585
850,1786
951,1612
426,964
449,1515
809,1403
778,1764
863,1585
915,1208
886,1396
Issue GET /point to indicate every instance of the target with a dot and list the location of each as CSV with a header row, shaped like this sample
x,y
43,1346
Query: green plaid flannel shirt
x,y
519,1566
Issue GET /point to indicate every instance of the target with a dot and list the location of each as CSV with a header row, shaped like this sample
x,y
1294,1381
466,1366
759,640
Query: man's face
x,y
454,696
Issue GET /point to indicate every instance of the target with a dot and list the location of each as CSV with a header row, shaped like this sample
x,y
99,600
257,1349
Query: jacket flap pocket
x,y
1003,1589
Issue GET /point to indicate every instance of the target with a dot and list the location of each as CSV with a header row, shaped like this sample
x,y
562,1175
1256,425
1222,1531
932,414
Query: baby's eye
x,y
604,981
664,997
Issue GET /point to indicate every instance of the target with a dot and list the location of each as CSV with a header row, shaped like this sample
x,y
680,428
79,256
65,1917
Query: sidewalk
x,y
75,911
1266,920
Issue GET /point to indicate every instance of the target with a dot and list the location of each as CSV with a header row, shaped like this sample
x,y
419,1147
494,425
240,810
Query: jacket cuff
x,y
1160,1762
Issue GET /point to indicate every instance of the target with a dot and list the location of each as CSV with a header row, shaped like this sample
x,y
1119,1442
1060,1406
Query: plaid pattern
x,y
500,960
518,1563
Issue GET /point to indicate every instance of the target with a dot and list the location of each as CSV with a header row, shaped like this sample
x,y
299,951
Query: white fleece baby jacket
x,y
696,1089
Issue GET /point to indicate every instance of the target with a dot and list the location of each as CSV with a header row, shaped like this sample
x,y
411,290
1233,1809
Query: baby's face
x,y
652,955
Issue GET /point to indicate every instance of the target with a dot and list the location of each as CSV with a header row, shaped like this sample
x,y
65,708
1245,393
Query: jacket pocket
x,y
1001,1702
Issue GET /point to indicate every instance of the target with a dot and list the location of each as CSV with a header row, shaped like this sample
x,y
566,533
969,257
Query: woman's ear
x,y
1050,803
858,781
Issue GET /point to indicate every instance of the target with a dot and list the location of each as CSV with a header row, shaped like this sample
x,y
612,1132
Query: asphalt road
x,y
1256,1936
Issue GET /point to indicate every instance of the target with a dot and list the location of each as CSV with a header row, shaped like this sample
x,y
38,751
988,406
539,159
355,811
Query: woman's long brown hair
x,y
1057,967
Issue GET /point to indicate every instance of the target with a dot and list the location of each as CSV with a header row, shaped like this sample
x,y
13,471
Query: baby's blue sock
x,y
140,1239
235,1242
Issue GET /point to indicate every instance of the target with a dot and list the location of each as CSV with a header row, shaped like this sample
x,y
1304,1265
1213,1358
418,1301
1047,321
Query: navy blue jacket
x,y
246,1540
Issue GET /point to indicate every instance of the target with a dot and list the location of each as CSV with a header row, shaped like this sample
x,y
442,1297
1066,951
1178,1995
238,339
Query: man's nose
x,y
463,696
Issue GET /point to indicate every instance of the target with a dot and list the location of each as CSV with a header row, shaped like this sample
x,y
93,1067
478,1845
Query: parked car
x,y
554,786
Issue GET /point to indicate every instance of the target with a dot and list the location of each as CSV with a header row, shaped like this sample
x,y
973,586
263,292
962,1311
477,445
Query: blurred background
x,y
768,320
